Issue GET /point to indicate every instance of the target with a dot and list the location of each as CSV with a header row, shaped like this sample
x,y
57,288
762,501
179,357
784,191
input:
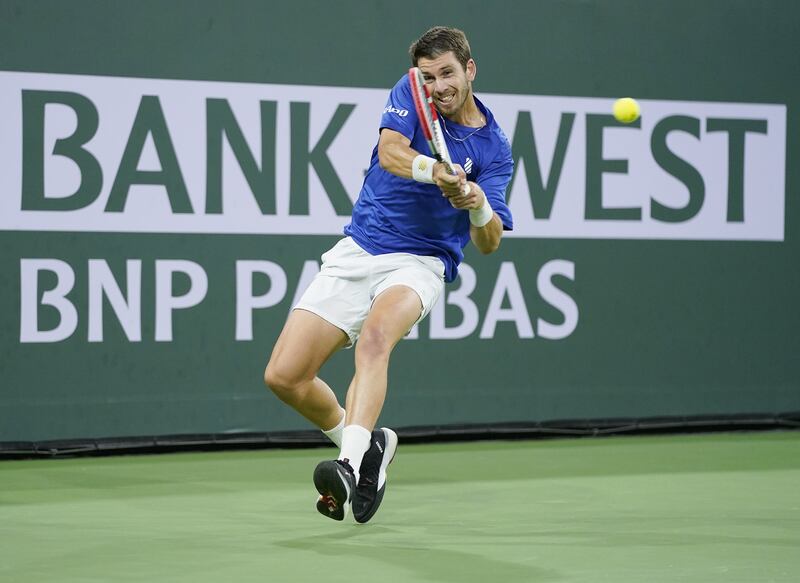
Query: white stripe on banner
x,y
85,153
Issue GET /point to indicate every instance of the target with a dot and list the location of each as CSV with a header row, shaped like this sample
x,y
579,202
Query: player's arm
x,y
396,155
486,238
485,227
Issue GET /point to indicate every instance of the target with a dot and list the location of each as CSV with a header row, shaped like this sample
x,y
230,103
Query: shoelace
x,y
345,463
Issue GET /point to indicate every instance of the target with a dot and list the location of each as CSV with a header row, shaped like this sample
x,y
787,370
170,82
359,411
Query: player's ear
x,y
472,70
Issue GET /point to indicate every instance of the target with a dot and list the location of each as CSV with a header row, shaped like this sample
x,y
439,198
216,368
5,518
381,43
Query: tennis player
x,y
409,226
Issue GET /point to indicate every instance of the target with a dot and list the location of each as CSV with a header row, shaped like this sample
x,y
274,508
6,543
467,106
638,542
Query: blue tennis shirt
x,y
399,215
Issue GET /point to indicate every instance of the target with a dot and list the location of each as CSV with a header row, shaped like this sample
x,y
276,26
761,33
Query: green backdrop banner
x,y
172,174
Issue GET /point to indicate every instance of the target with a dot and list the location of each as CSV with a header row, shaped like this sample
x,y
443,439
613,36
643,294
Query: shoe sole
x,y
334,500
391,448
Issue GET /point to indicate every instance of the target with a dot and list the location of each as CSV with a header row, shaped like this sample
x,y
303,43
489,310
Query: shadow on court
x,y
406,560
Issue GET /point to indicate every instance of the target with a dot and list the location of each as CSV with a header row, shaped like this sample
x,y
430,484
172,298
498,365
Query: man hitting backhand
x,y
405,240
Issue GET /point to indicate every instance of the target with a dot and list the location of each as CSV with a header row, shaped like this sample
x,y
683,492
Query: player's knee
x,y
280,381
374,345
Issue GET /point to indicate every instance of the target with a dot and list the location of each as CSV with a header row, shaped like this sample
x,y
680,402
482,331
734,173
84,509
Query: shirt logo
x,y
468,166
390,109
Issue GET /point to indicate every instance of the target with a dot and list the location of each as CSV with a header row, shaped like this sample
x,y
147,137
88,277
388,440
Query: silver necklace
x,y
465,138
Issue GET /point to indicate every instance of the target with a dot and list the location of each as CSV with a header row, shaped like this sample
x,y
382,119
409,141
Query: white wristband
x,y
481,216
422,169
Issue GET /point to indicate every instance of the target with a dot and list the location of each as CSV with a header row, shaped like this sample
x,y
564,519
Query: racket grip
x,y
451,170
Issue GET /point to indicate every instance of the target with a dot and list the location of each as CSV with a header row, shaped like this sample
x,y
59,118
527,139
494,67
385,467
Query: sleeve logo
x,y
390,109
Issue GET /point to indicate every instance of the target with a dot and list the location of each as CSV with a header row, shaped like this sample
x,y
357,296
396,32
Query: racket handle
x,y
452,171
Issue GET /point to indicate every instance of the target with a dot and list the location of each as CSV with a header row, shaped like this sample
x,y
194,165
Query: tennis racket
x,y
429,120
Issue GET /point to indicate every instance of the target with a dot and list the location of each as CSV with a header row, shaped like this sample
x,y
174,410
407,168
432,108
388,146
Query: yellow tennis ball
x,y
626,110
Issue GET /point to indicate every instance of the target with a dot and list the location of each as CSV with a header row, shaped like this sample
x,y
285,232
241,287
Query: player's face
x,y
449,84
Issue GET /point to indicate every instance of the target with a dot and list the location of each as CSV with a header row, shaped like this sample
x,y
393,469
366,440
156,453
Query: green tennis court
x,y
721,507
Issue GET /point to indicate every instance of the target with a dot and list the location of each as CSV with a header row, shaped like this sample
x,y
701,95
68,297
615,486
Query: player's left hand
x,y
472,200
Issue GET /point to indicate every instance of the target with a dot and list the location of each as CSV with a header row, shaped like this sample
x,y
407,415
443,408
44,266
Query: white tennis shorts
x,y
350,279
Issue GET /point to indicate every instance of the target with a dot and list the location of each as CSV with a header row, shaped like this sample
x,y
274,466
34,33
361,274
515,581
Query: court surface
x,y
701,508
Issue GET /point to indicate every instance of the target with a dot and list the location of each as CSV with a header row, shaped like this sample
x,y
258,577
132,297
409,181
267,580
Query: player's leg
x,y
327,317
305,344
423,276
392,314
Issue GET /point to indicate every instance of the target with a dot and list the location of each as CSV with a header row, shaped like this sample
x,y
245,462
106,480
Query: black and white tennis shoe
x,y
372,478
336,484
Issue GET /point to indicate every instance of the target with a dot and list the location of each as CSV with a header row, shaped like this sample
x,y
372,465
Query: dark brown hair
x,y
438,41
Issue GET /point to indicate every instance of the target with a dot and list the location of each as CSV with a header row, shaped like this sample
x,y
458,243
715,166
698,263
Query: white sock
x,y
335,434
355,443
